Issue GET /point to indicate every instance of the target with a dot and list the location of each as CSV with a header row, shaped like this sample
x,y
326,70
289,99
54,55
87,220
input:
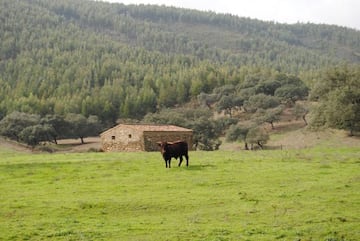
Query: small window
x,y
129,135
112,137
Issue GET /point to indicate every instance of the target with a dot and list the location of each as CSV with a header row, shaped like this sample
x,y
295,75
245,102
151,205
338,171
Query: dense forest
x,y
117,61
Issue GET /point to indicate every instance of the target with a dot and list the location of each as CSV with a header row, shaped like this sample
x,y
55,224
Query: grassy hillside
x,y
287,195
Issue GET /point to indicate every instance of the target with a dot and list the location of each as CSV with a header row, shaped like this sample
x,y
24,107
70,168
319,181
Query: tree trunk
x,y
272,125
246,146
304,119
351,132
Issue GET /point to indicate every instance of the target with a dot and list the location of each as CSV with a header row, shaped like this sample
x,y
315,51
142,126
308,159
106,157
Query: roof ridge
x,y
150,127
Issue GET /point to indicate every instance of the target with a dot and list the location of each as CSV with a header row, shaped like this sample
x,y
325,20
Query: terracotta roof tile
x,y
144,127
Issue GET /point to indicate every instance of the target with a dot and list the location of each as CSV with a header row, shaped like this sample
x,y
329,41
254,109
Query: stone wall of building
x,y
120,139
151,139
142,137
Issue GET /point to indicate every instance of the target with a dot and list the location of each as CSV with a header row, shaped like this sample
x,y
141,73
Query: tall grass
x,y
264,195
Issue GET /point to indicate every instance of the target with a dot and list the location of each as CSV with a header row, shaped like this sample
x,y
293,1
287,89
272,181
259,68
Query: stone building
x,y
126,137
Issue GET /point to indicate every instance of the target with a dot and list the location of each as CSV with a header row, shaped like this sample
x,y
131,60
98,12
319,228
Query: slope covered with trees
x,y
125,61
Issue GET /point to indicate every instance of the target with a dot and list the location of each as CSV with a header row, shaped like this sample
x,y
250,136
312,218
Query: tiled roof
x,y
144,127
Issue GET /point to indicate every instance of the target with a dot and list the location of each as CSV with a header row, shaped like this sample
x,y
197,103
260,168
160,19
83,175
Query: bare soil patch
x,y
304,138
294,134
13,145
75,145
65,145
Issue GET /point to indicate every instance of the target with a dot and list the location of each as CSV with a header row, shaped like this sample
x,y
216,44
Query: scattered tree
x,y
291,93
14,123
33,135
269,115
339,99
261,101
81,127
301,111
238,133
257,135
57,126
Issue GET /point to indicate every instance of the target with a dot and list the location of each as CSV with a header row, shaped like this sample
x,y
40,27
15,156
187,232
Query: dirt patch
x,y
13,145
66,145
75,145
303,137
295,135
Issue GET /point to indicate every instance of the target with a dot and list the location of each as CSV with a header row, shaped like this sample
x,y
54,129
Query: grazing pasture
x,y
310,194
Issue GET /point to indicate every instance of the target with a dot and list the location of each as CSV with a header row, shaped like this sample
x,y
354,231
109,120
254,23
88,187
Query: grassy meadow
x,y
309,194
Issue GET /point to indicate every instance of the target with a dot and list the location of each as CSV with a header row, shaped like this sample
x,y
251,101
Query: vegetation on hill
x,y
338,94
117,61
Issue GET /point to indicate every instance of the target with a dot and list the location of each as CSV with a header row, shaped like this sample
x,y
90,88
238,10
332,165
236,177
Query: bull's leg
x,y
166,163
169,162
187,160
180,161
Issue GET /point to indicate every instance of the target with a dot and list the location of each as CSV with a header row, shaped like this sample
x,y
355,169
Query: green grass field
x,y
311,194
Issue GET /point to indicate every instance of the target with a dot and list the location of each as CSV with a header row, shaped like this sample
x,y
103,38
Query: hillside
x,y
124,61
286,136
8,145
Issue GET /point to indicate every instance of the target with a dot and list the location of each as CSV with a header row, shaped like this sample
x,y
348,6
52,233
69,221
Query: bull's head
x,y
163,146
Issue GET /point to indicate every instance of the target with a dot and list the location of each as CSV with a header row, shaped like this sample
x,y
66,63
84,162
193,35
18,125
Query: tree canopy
x,y
124,61
69,61
339,99
32,129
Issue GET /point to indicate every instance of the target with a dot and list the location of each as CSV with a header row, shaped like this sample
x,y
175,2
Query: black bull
x,y
174,149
